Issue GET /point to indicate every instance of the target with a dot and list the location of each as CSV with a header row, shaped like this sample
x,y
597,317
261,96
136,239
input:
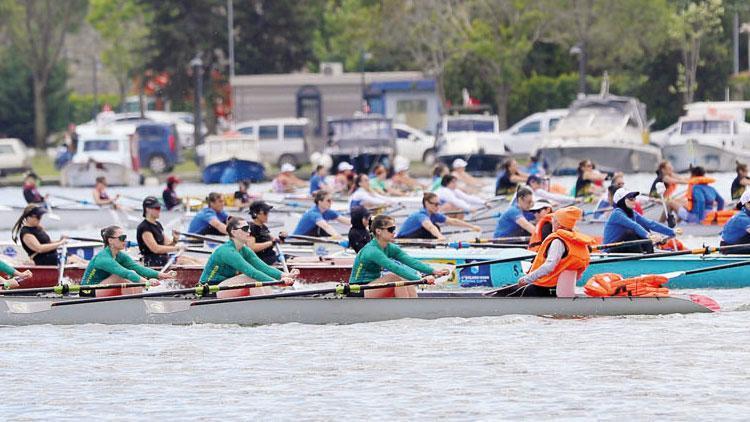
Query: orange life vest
x,y
576,256
718,217
536,239
610,284
703,180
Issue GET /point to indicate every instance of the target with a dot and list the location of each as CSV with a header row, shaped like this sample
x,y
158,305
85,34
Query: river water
x,y
678,367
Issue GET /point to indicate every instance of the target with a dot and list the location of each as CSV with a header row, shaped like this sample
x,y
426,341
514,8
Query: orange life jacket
x,y
718,217
610,284
536,239
671,187
576,256
703,180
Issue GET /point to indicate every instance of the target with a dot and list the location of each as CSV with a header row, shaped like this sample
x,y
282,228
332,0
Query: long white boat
x,y
337,310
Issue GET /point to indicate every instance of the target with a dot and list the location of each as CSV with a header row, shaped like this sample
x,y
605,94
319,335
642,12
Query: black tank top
x,y
737,188
582,187
150,258
653,193
47,258
261,234
504,186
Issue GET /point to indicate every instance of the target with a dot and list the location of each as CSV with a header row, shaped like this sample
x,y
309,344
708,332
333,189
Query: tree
x,y
37,30
123,24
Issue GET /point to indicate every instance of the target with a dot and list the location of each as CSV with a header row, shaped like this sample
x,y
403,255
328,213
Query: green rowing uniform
x,y
104,265
226,261
7,269
372,259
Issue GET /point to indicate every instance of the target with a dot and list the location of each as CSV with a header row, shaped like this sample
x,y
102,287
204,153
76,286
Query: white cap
x,y
344,166
539,205
621,193
745,198
459,162
286,167
400,166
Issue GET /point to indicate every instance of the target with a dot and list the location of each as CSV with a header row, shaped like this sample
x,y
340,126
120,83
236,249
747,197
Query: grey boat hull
x,y
608,158
342,310
710,157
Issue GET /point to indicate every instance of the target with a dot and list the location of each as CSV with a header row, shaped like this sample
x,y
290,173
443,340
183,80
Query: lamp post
x,y
363,56
746,28
95,69
580,51
197,65
230,37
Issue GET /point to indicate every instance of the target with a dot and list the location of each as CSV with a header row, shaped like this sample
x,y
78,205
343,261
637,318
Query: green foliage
x,y
81,106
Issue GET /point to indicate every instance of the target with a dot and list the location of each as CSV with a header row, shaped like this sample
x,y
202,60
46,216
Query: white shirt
x,y
367,199
458,198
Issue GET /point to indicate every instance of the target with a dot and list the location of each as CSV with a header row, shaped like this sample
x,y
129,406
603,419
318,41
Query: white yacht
x,y
713,135
474,138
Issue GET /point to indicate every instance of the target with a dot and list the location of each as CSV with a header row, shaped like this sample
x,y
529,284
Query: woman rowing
x,y
359,234
589,182
233,263
35,240
169,195
401,179
513,221
31,192
469,183
100,195
314,222
625,224
741,182
379,184
423,224
452,198
344,177
154,244
560,262
362,194
700,198
737,230
212,219
665,174
112,265
381,254
542,211
438,172
509,178
261,241
286,181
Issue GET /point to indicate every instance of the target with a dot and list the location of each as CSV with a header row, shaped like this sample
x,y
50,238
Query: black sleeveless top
x,y
737,188
47,258
151,259
582,187
504,186
261,234
652,192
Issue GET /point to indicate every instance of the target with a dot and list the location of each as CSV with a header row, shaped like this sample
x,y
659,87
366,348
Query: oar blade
x,y
166,306
673,274
24,307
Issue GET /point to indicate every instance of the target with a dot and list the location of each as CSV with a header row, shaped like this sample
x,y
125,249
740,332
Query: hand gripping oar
x,y
62,289
35,307
172,260
341,289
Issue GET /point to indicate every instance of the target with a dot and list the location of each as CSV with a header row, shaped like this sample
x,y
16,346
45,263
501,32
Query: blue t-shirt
x,y
311,217
315,183
199,225
735,231
507,226
619,225
415,220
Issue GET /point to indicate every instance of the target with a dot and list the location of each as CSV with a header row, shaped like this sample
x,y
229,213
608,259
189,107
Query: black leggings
x,y
646,247
420,233
529,290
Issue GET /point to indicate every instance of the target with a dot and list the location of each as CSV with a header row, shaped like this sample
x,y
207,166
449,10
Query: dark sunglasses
x,y
391,229
158,207
433,203
245,228
121,238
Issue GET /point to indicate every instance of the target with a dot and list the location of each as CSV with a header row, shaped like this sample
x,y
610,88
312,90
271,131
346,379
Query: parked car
x,y
363,141
14,156
183,122
158,146
414,145
523,137
282,140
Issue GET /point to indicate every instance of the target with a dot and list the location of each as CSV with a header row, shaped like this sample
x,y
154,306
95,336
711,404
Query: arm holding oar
x,y
625,224
315,220
12,283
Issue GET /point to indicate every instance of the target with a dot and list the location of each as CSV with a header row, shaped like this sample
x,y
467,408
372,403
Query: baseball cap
x,y
286,167
173,179
259,206
540,205
344,166
459,162
534,178
622,193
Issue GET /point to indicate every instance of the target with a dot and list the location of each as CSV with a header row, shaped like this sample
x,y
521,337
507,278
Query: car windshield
x,y
706,126
470,125
361,129
100,145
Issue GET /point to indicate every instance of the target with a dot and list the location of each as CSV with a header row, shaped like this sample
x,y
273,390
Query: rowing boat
x,y
343,310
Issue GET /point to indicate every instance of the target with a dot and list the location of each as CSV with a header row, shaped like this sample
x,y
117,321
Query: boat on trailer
x,y
341,310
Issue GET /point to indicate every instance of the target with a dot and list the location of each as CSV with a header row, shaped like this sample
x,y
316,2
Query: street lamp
x,y
197,65
746,28
96,67
580,51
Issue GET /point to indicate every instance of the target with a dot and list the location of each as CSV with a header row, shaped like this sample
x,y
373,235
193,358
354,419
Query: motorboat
x,y
230,158
713,135
612,131
363,140
475,138
104,151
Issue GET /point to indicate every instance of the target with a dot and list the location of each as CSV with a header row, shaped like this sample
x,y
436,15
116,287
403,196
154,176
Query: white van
x,y
14,156
282,140
523,137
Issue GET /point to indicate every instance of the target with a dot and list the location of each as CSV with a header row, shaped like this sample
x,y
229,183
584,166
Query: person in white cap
x,y
344,177
625,224
453,199
286,181
401,179
467,182
737,229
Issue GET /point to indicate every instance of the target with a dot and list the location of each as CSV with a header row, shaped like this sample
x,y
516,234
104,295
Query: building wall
x,y
431,112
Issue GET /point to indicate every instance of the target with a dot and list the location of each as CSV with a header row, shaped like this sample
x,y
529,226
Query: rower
x,y
509,178
30,192
560,262
35,240
359,234
625,224
242,197
379,183
344,176
154,244
538,185
314,222
112,265
401,179
512,222
542,211
452,198
739,184
14,276
261,241
700,197
438,172
381,254
362,194
318,180
101,197
423,224
737,230
589,182
211,219
234,263
286,181
665,174
468,182
171,200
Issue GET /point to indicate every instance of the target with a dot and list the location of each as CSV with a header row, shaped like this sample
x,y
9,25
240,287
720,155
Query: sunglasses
x,y
245,228
433,203
121,238
391,229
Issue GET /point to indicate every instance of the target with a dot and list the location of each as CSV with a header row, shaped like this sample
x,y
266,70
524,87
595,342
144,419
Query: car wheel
x,y
429,157
158,164
287,159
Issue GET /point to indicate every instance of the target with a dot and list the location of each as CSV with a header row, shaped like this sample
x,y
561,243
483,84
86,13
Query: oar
x,y
200,251
698,251
281,257
676,274
62,260
496,261
614,245
660,189
34,307
172,260
129,244
341,289
319,240
74,200
202,237
62,289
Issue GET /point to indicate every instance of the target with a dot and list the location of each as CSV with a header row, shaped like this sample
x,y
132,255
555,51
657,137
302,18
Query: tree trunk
x,y
502,95
40,114
440,88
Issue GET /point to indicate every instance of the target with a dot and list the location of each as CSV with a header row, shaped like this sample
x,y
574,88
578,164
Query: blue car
x,y
158,146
